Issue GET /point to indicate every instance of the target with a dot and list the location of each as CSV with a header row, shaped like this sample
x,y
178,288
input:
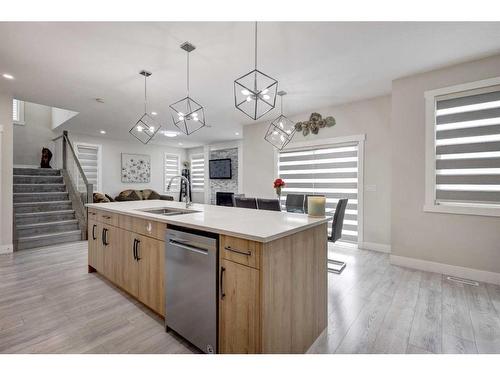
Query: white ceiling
x,y
68,65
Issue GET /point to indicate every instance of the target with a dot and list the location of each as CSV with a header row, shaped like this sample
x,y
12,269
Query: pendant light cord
x,y
255,45
145,94
187,73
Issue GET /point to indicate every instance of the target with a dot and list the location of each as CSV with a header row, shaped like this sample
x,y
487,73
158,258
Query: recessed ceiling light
x,y
154,113
103,131
7,76
236,133
170,134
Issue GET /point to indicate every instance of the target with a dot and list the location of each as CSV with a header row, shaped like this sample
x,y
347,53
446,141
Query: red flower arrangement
x,y
278,184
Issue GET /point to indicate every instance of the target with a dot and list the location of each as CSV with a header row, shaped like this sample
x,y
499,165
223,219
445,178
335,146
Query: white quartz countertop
x,y
256,225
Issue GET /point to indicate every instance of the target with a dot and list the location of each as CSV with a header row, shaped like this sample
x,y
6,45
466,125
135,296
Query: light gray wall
x,y
29,139
6,170
461,240
111,163
370,117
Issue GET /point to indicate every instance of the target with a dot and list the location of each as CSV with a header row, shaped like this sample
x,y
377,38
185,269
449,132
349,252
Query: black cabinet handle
x,y
138,258
222,271
247,253
93,232
134,249
105,237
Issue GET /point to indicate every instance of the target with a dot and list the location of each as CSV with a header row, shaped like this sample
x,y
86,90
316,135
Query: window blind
x,y
172,168
332,172
198,172
15,110
468,147
88,156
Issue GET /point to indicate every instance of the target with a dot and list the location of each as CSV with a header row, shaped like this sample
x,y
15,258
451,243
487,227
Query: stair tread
x,y
42,192
38,202
48,235
37,225
43,183
42,213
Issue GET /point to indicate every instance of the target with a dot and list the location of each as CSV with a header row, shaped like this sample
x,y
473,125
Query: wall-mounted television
x,y
220,169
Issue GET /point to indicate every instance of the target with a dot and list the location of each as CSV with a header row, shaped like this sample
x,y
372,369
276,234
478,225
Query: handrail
x,y
80,169
56,138
73,177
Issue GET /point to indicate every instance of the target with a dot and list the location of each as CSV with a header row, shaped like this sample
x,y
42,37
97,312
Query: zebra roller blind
x,y
328,171
172,168
198,172
88,156
468,147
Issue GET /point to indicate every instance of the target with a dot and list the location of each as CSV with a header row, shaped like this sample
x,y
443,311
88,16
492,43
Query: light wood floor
x,y
375,307
50,304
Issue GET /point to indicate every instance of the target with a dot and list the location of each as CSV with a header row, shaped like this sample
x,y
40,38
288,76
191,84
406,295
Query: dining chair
x,y
337,266
268,204
295,203
243,202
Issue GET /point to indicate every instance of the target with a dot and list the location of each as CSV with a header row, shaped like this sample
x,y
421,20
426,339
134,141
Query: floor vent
x,y
462,281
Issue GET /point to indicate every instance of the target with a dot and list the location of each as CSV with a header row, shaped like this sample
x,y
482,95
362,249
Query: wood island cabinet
x,y
133,262
239,323
272,296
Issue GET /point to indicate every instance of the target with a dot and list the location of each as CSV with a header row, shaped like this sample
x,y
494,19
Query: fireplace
x,y
224,199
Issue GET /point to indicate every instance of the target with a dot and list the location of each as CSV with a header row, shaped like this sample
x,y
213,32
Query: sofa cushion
x,y
153,195
128,195
100,198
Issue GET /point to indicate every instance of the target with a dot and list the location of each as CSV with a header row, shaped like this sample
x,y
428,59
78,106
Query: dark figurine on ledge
x,y
46,156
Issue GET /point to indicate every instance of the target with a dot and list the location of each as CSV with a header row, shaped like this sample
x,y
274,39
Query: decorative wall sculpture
x,y
316,122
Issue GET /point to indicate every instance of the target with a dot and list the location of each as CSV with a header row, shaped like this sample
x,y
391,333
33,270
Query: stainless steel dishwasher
x,y
191,286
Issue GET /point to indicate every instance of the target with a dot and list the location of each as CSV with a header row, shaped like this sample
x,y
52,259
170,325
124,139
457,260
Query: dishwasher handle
x,y
188,247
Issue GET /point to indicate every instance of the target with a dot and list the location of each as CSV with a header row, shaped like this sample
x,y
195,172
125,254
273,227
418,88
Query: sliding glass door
x,y
331,171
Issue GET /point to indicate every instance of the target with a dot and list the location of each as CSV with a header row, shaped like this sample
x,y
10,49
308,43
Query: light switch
x,y
371,188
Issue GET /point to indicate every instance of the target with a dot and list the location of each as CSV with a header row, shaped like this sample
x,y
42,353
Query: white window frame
x,y
165,183
199,155
336,141
430,155
20,113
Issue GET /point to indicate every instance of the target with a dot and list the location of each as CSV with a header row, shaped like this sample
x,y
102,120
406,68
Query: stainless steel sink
x,y
169,211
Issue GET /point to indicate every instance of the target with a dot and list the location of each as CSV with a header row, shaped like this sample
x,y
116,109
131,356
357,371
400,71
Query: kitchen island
x,y
273,298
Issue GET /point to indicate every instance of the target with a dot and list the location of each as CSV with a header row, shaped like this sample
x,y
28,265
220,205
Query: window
x,y
172,168
89,157
463,149
330,171
18,112
198,172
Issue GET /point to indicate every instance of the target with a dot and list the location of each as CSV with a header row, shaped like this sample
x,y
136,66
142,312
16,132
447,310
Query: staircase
x,y
43,211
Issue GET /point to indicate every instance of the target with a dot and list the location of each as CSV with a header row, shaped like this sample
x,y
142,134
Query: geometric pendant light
x,y
255,92
187,114
145,129
281,130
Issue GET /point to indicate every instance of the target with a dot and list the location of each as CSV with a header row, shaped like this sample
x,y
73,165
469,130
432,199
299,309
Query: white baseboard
x,y
6,249
446,269
381,247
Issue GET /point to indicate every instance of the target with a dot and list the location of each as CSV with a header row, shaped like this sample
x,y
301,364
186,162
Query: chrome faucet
x,y
188,193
